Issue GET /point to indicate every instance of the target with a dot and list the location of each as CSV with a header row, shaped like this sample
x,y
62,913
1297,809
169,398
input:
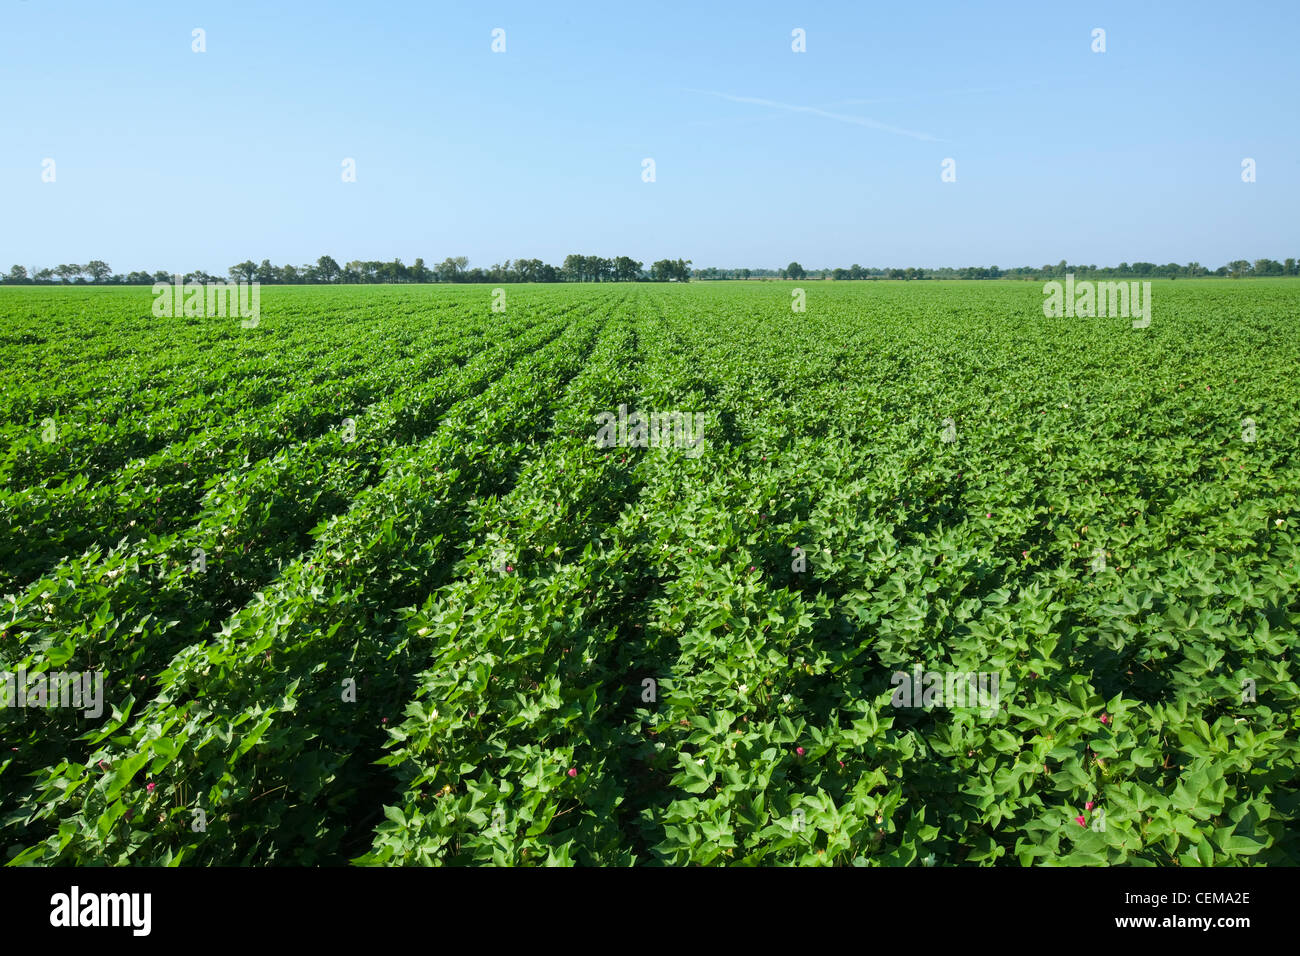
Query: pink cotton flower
x,y
573,771
800,751
1088,805
1081,821
1105,718
150,787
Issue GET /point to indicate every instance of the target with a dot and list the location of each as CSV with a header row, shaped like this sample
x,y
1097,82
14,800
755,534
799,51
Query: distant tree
x,y
530,270
17,275
394,271
626,269
451,268
243,271
420,272
267,273
98,270
44,275
794,271
575,267
327,269
668,269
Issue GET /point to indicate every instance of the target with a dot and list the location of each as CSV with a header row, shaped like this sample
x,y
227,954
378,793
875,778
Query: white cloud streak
x,y
824,114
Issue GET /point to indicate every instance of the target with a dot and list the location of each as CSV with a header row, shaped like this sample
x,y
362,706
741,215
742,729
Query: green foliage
x,y
459,632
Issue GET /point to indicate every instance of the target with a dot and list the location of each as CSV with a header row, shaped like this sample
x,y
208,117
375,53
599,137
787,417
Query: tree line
x,y
578,268
326,269
1238,268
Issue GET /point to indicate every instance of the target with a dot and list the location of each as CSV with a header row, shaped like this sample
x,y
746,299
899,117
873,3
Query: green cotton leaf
x,y
251,738
1237,844
1182,798
1004,741
1074,773
396,815
1204,853
1082,858
60,654
166,750
542,820
122,774
108,819
694,777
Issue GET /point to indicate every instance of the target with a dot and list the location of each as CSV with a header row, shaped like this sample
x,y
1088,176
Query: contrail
x,y
939,93
814,111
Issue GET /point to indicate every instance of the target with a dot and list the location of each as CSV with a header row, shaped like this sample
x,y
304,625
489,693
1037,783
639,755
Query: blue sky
x,y
168,159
